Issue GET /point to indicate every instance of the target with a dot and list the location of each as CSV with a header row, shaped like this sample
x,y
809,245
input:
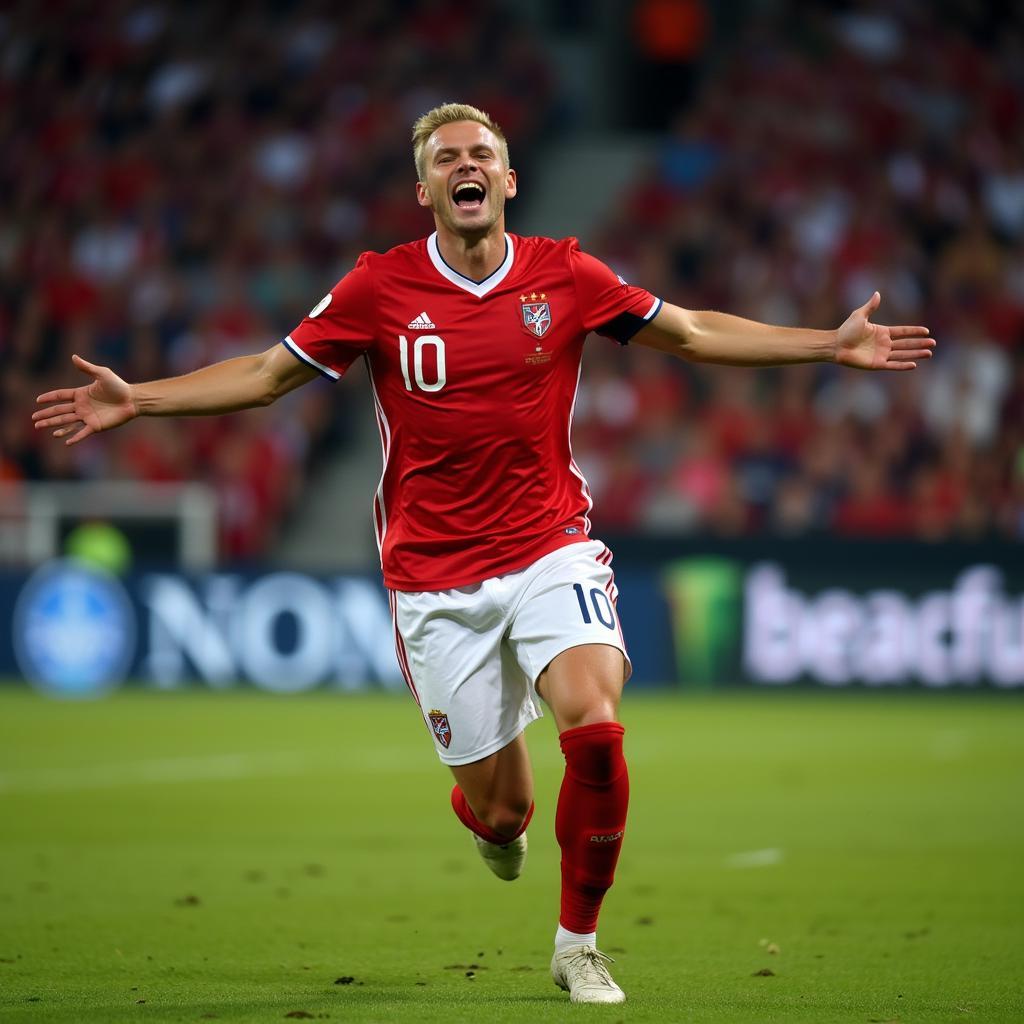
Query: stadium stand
x,y
817,164
165,204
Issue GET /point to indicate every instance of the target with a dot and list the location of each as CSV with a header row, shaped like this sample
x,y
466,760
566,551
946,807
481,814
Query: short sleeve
x,y
607,304
340,327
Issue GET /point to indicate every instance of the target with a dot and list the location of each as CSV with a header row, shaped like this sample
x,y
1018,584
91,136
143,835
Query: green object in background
x,y
101,545
704,595
189,856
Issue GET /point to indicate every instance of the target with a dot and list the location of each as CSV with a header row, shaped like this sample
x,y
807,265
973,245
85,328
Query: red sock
x,y
590,819
465,814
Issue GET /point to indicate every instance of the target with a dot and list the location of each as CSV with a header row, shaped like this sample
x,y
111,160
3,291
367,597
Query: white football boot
x,y
581,971
505,861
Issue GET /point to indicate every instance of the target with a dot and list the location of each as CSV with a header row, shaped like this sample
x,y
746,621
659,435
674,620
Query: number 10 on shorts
x,y
599,602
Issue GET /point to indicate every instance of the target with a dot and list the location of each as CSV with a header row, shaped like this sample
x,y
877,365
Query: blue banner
x,y
717,618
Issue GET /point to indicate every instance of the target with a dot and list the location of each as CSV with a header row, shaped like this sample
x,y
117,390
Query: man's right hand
x,y
105,403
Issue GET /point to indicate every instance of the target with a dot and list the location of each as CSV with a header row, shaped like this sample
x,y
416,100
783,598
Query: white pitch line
x,y
158,770
755,858
385,760
950,744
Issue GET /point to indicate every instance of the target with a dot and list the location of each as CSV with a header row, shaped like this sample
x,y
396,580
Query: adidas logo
x,y
421,323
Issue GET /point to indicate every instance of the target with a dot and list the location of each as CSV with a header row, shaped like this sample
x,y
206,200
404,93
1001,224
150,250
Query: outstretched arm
x,y
708,337
108,401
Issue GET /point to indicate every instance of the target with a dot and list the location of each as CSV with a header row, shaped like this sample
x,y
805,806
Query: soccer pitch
x,y
238,857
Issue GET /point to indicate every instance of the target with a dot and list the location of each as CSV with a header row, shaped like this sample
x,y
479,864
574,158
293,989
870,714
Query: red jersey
x,y
474,384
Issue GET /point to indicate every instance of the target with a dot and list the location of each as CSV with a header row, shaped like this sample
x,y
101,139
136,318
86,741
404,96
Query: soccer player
x,y
472,339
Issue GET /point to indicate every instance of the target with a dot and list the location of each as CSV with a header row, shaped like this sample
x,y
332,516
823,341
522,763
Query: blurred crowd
x,y
180,184
830,152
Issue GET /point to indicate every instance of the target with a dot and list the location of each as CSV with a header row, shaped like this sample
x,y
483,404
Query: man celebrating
x,y
473,339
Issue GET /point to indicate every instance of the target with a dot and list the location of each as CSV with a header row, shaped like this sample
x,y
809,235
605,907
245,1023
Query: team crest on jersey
x,y
536,313
442,730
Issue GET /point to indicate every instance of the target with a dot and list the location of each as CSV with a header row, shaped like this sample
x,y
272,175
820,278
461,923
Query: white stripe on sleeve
x,y
289,343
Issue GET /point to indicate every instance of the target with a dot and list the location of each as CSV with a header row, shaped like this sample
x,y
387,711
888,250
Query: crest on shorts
x,y
536,313
442,730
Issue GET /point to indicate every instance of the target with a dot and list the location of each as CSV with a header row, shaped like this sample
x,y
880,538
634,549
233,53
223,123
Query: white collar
x,y
477,288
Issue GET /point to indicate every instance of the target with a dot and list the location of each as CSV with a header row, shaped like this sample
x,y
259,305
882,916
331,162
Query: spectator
x,y
800,179
167,204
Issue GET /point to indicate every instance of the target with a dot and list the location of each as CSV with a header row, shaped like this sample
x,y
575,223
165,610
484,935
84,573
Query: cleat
x,y
505,861
581,971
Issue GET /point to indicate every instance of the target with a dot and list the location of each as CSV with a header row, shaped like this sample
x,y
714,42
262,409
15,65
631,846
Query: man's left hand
x,y
868,346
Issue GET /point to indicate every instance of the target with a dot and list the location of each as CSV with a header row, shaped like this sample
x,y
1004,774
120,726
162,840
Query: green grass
x,y
196,856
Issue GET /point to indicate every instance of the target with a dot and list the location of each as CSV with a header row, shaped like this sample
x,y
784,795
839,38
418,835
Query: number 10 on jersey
x,y
599,602
419,344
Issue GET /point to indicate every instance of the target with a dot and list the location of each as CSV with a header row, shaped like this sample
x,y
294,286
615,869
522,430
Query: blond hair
x,y
448,113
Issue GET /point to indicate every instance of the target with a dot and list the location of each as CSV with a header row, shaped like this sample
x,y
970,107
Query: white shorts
x,y
472,655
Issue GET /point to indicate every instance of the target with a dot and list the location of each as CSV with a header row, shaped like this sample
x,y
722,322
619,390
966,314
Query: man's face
x,y
466,182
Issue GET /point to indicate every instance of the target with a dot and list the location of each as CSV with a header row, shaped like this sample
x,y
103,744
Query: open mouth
x,y
469,195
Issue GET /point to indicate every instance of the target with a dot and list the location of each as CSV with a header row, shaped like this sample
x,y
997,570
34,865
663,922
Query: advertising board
x,y
694,616
77,631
